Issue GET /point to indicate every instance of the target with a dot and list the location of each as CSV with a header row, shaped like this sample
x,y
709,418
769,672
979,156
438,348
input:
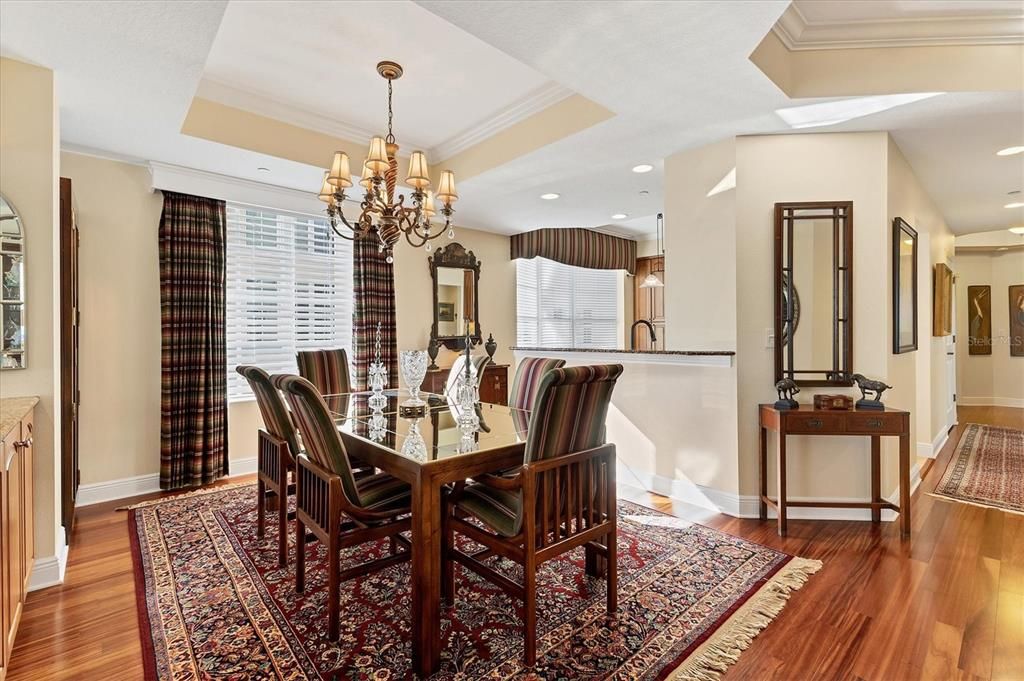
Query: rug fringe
x,y
723,649
182,495
977,504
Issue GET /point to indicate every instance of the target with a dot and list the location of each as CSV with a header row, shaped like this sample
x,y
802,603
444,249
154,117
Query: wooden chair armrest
x,y
334,481
500,482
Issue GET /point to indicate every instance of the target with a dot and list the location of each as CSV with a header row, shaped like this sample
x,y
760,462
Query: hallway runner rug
x,y
213,603
987,469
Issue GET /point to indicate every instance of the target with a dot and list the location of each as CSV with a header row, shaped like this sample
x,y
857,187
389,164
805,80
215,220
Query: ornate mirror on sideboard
x,y
813,292
456,279
13,334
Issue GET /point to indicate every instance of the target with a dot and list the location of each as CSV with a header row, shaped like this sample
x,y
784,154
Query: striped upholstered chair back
x,y
272,407
570,412
327,370
528,379
317,428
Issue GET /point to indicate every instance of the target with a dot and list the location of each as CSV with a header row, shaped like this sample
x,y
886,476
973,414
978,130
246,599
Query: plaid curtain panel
x,y
373,290
193,361
578,247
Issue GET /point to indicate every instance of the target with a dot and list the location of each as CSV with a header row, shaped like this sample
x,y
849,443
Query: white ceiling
x,y
322,62
675,74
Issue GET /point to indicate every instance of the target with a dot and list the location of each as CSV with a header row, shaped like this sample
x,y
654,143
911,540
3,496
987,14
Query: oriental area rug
x,y
987,469
213,603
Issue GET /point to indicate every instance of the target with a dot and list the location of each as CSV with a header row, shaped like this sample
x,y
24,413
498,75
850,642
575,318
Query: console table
x,y
810,421
493,386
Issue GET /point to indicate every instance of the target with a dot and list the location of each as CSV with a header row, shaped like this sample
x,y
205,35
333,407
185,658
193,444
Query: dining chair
x,y
527,380
277,446
337,507
327,370
561,498
458,371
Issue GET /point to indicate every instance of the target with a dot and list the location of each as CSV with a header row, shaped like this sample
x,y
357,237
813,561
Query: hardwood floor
x,y
948,604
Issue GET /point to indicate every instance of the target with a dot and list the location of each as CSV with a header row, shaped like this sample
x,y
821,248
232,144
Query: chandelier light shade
x,y
385,215
327,190
340,175
418,175
446,187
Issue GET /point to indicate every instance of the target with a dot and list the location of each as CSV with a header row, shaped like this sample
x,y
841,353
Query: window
x,y
561,306
289,288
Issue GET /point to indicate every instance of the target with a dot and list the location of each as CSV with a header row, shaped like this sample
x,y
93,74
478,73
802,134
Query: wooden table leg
x,y
905,484
426,576
781,475
762,508
876,477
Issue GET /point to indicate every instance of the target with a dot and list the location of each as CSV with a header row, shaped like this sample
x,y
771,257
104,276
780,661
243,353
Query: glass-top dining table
x,y
427,447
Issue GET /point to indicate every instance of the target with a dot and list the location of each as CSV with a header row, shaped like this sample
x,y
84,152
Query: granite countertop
x,y
12,410
698,353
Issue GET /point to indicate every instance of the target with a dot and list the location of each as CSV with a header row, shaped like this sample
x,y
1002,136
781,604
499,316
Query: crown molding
x,y
214,185
798,34
82,150
533,102
265,105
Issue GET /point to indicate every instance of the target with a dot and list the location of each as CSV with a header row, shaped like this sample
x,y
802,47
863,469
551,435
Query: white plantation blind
x,y
561,306
289,288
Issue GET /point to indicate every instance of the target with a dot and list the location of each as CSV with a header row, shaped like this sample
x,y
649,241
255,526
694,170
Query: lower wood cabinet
x,y
493,387
17,545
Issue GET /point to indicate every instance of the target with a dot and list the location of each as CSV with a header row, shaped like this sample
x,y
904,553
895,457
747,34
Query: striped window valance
x,y
578,247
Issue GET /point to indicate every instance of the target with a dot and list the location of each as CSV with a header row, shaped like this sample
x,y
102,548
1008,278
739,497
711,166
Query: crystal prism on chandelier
x,y
382,213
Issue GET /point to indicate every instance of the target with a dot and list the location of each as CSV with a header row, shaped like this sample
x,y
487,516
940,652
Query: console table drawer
x,y
867,423
814,423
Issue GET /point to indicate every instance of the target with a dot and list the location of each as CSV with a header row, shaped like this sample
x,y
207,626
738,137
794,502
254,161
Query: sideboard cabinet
x,y
17,549
493,387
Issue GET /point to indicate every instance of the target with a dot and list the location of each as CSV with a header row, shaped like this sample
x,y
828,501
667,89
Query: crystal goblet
x,y
413,364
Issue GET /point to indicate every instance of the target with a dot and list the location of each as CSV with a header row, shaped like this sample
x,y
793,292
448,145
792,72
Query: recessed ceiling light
x,y
643,168
1017,204
263,170
842,110
644,192
1017,230
551,196
1009,151
619,216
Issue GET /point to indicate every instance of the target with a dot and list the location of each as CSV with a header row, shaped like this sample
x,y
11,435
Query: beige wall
x,y
920,378
497,291
996,379
120,295
29,144
771,169
119,292
700,250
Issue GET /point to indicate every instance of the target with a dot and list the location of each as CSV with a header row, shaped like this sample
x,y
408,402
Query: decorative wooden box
x,y
833,402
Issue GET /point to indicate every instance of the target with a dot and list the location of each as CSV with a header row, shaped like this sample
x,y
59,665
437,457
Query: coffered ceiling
x,y
520,98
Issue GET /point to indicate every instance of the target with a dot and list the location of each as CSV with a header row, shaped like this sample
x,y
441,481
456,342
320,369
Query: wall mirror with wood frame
x,y
813,292
456,279
13,317
904,287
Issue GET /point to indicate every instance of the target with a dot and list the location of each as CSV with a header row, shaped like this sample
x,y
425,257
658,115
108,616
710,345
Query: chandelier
x,y
382,213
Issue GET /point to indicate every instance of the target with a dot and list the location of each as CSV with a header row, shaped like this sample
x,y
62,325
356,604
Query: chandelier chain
x,y
390,138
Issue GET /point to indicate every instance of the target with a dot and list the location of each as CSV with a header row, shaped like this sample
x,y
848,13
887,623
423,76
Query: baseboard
x,y
49,571
990,401
930,450
112,490
746,505
681,490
